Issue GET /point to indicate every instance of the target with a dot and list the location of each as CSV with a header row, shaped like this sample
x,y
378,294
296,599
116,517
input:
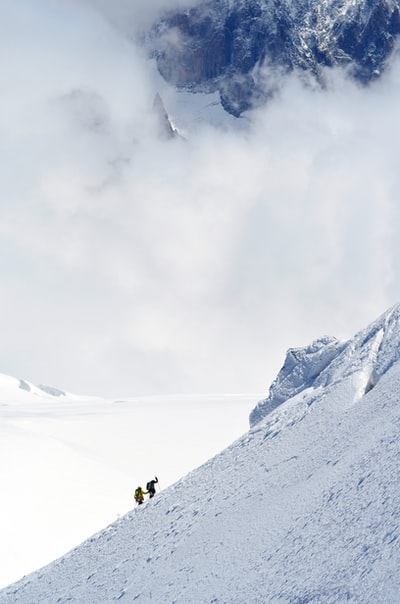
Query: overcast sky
x,y
131,265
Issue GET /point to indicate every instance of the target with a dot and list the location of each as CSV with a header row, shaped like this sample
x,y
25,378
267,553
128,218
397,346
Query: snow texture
x,y
302,509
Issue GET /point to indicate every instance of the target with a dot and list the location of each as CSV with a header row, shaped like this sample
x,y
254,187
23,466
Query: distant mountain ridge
x,y
17,388
21,389
237,47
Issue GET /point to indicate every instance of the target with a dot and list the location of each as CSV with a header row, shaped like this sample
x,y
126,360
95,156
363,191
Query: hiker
x,y
139,495
151,489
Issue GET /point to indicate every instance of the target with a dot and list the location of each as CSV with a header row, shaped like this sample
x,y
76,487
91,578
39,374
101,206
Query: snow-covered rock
x,y
301,369
366,358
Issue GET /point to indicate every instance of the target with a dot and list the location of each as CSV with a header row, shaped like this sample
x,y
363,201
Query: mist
x,y
132,265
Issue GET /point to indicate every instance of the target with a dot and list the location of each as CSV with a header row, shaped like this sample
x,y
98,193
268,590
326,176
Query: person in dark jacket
x,y
151,489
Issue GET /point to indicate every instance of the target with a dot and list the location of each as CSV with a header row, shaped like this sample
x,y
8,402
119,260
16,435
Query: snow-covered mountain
x,y
238,47
304,508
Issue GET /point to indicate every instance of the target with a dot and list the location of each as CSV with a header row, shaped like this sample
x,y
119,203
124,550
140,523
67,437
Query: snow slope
x,y
69,464
304,508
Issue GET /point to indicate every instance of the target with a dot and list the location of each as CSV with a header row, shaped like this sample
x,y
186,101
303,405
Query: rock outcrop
x,y
238,47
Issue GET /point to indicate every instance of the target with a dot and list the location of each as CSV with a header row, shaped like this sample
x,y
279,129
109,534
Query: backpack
x,y
150,486
138,492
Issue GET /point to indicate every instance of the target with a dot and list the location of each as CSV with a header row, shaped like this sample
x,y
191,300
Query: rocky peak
x,y
236,47
165,130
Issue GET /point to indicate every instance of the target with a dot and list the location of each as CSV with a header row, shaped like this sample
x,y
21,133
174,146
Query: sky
x,y
133,266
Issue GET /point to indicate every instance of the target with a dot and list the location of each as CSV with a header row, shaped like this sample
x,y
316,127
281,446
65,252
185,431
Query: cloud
x,y
131,265
133,16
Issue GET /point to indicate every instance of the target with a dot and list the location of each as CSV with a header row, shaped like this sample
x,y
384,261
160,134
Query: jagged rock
x,y
165,128
236,47
300,370
51,390
366,358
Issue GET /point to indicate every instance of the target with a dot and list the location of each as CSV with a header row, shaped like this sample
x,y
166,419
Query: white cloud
x,y
132,265
133,16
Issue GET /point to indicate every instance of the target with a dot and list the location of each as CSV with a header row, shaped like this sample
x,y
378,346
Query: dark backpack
x,y
150,486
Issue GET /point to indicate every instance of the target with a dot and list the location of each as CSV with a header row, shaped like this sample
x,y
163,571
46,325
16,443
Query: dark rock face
x,y
236,47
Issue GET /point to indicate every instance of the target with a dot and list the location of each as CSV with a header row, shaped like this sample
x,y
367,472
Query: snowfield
x,y
304,508
70,464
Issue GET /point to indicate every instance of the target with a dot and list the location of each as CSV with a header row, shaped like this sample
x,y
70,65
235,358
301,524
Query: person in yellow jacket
x,y
139,495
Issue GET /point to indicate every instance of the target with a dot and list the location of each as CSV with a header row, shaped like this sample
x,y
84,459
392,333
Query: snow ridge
x,y
301,369
367,357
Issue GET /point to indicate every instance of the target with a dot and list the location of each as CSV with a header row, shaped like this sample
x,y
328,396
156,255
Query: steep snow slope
x,y
69,464
303,508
